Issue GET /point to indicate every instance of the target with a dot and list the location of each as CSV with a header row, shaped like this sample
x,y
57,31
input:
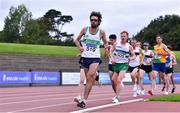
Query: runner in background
x,y
134,66
170,62
120,54
146,67
112,41
160,53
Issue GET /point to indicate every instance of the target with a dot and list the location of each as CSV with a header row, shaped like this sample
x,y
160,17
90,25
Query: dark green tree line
x,y
168,26
20,27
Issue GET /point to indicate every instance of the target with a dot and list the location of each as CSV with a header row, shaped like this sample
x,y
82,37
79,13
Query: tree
x,y
1,36
35,33
64,19
168,26
51,18
15,23
54,19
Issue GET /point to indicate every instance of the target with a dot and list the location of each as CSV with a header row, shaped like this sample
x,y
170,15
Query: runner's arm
x,y
174,62
152,56
140,50
132,53
103,37
112,49
77,41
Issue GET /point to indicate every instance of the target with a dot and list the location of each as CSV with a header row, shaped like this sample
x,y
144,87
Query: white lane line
x,y
62,104
19,95
106,106
48,99
52,106
34,96
47,95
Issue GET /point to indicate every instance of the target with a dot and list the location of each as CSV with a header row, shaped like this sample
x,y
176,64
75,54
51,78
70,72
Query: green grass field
x,y
177,54
12,48
169,98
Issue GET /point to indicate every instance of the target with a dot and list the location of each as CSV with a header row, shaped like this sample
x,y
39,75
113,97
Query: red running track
x,y
60,99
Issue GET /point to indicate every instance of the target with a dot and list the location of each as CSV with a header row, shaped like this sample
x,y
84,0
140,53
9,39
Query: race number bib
x,y
156,57
90,48
91,45
121,54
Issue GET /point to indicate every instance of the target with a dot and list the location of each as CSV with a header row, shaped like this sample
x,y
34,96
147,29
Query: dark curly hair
x,y
97,14
112,36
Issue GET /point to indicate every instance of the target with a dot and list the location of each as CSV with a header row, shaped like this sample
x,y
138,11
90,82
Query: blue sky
x,y
118,15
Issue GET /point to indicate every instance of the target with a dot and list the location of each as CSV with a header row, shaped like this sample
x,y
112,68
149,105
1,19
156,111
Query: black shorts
x,y
110,67
86,62
146,68
169,70
130,69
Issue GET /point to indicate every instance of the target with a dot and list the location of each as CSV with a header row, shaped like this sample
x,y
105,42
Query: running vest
x,y
159,58
121,53
136,61
169,60
147,57
91,44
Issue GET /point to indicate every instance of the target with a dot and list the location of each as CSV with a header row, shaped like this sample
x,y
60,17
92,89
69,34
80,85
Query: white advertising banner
x,y
72,78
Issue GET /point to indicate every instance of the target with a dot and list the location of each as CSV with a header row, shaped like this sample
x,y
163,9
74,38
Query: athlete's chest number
x,y
120,54
92,49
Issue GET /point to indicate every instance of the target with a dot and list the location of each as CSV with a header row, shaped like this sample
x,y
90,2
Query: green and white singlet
x,y
121,53
91,44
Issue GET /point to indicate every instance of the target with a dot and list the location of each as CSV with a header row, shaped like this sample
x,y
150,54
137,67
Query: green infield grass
x,y
13,48
168,98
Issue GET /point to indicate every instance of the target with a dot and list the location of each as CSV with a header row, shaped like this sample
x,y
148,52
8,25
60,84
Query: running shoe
x,y
116,100
81,104
77,99
173,89
142,92
150,93
166,93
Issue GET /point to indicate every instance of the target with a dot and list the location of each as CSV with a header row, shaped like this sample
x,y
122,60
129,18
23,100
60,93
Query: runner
x,y
112,41
134,66
146,67
91,40
160,54
170,62
120,54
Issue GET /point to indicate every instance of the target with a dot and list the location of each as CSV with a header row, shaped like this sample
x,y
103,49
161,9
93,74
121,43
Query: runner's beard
x,y
94,25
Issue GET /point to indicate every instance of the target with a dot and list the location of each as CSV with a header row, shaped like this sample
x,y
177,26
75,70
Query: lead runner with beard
x,y
90,38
